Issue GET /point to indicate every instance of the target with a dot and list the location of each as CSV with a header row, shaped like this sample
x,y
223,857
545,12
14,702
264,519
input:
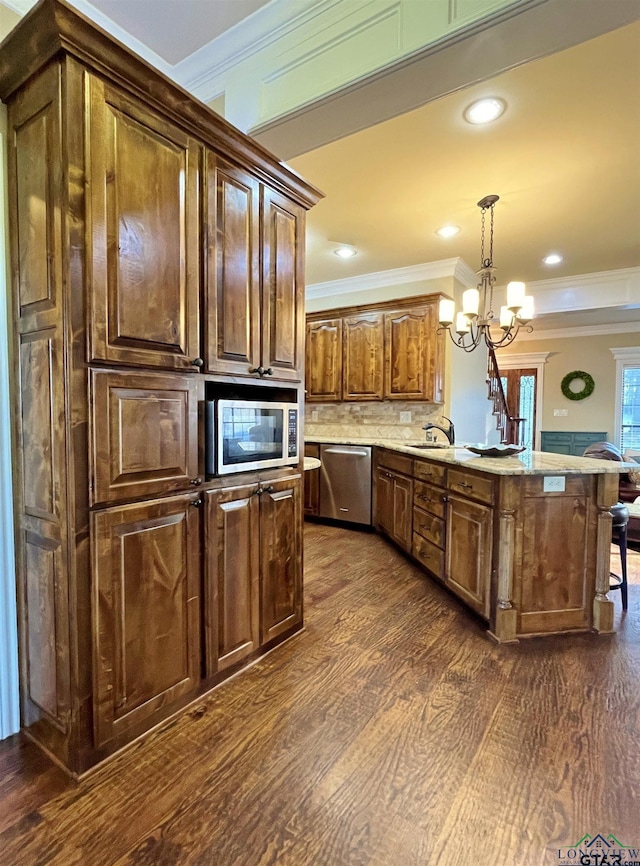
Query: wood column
x,y
602,604
504,625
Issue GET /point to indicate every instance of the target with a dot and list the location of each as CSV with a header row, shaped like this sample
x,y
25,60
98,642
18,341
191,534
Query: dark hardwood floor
x,y
392,731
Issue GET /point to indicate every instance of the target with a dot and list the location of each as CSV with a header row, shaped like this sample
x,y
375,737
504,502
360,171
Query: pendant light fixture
x,y
474,323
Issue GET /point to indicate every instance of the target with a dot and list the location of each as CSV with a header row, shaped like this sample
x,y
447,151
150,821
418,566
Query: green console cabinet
x,y
569,442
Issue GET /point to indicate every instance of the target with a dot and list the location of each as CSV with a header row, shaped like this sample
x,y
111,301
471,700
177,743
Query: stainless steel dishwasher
x,y
345,483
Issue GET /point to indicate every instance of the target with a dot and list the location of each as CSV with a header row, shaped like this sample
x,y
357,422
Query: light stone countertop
x,y
525,463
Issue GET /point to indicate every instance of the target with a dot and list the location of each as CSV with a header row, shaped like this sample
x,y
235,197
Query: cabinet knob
x,y
268,489
195,481
197,362
196,503
267,372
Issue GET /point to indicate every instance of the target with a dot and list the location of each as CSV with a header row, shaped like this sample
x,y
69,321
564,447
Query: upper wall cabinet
x,y
253,325
376,352
323,375
412,371
144,213
363,355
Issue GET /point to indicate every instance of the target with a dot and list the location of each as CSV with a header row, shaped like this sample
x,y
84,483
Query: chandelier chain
x,y
488,262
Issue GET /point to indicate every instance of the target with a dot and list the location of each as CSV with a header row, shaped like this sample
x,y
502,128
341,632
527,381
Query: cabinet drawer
x,y
429,555
433,472
429,498
397,462
429,526
473,486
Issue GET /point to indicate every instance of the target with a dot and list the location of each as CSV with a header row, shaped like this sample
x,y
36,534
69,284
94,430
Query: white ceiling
x,y
174,29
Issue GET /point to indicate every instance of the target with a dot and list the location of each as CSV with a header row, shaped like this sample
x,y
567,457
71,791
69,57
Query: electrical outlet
x,y
560,412
314,414
405,417
553,484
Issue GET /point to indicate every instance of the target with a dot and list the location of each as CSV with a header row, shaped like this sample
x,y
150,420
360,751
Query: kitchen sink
x,y
432,445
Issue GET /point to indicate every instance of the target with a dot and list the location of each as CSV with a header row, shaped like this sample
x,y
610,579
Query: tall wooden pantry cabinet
x,y
157,261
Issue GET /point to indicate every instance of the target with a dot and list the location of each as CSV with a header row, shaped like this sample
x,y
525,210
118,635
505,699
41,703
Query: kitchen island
x,y
525,541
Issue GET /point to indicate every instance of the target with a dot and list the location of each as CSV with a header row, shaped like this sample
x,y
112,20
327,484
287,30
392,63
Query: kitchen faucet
x,y
450,433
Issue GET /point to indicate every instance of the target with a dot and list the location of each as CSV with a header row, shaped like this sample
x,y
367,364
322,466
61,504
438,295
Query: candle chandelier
x,y
474,323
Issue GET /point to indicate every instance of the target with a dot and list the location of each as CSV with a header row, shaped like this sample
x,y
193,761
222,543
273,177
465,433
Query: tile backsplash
x,y
388,420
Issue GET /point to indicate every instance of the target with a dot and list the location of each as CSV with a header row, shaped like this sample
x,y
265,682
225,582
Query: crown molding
x,y
587,331
456,268
522,359
263,28
630,354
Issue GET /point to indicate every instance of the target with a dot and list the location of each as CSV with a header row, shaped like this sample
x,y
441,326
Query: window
x,y
630,421
627,398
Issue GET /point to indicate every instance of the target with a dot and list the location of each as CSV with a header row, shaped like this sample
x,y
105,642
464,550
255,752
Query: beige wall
x,y
8,20
590,354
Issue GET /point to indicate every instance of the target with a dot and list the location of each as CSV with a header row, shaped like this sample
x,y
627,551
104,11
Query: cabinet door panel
x,y
468,549
363,341
405,355
144,234
323,379
232,322
146,610
281,557
555,590
394,506
384,501
282,287
232,571
403,511
145,434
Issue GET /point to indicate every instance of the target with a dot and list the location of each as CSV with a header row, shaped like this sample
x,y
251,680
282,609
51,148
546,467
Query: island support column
x,y
504,619
602,604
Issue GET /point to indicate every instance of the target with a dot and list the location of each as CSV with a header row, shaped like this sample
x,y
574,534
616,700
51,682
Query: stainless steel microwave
x,y
242,435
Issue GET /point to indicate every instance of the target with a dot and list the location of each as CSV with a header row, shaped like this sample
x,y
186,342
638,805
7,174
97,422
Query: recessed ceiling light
x,y
484,110
345,252
448,231
552,259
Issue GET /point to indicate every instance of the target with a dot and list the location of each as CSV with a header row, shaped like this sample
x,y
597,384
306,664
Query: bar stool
x,y
620,514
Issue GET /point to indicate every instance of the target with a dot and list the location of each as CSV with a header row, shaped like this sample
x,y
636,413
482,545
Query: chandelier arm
x,y
508,337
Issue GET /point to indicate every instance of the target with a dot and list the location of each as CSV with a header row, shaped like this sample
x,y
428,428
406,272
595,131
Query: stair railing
x,y
509,428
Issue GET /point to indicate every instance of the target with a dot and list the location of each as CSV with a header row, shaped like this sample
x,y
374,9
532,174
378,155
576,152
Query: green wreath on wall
x,y
589,385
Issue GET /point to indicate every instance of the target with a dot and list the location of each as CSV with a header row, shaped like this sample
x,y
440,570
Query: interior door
x,y
520,387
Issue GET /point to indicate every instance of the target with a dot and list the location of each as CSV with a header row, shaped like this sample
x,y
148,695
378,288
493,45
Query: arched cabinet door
x,y
323,378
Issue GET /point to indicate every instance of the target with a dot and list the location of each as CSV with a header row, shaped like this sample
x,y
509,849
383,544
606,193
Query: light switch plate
x,y
314,414
560,412
553,484
405,417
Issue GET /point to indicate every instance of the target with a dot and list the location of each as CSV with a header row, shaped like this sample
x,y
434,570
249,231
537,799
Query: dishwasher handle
x,y
352,452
